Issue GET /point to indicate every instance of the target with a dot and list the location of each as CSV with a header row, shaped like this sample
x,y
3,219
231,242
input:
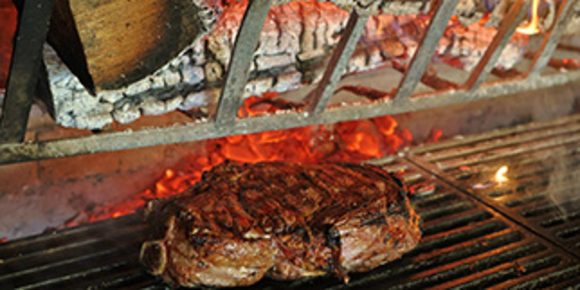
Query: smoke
x,y
564,180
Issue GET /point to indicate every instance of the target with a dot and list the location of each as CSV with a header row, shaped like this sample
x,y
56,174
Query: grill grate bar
x,y
78,265
459,234
238,69
338,62
97,230
480,264
543,177
558,276
507,152
462,220
511,270
472,140
60,254
551,39
423,55
508,141
497,45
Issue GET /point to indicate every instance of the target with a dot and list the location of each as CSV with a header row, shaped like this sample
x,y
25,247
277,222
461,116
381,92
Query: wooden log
x,y
109,44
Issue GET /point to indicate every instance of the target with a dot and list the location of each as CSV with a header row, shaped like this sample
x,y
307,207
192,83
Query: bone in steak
x,y
284,221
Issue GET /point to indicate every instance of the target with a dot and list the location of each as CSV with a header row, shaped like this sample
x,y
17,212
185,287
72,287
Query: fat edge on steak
x,y
284,221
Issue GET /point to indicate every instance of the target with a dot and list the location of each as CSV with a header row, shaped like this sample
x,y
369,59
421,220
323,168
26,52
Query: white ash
x,y
192,75
258,87
294,34
157,82
287,81
126,114
266,62
173,103
74,106
213,72
152,107
138,87
194,100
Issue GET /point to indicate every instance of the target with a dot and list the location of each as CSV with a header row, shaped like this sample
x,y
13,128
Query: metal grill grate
x,y
226,123
544,171
465,246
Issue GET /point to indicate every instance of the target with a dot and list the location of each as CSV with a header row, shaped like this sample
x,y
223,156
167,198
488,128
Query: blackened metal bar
x,y
338,61
14,153
33,26
241,59
424,53
497,45
551,39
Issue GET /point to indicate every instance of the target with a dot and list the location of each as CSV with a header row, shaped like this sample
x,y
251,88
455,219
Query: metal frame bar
x,y
497,45
551,39
241,60
13,153
338,62
227,123
27,56
424,53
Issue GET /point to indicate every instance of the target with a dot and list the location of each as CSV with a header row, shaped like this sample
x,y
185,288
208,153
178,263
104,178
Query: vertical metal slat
x,y
241,59
497,45
32,29
338,61
551,39
424,53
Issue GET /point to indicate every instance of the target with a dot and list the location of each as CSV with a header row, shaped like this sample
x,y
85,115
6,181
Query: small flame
x,y
533,26
500,176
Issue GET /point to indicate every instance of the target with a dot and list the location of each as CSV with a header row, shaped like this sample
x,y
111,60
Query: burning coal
x,y
352,141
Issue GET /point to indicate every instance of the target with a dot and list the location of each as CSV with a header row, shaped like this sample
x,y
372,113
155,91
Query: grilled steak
x,y
244,222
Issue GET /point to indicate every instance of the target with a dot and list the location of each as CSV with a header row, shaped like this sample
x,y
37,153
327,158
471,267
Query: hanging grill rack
x,y
34,23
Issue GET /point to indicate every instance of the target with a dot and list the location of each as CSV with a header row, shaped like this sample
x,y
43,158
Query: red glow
x,y
435,135
8,19
352,141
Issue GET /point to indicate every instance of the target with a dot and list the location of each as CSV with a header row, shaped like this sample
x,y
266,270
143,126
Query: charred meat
x,y
284,221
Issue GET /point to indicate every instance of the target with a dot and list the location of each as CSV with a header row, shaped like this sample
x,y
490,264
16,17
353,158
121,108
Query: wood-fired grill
x,y
476,233
471,241
225,123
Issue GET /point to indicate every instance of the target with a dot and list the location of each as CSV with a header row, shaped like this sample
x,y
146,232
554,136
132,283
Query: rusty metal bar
x,y
241,59
551,39
338,61
424,53
497,45
13,153
33,26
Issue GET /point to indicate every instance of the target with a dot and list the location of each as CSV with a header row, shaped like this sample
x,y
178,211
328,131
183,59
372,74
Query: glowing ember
x,y
533,26
8,20
500,175
352,141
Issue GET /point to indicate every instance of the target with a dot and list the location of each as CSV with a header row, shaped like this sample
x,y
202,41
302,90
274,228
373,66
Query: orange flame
x,y
352,141
500,175
533,26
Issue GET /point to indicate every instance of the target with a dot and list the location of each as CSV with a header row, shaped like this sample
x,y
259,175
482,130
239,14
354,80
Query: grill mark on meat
x,y
360,179
281,220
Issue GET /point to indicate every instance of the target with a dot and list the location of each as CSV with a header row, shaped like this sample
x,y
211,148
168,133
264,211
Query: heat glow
x,y
500,175
352,141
